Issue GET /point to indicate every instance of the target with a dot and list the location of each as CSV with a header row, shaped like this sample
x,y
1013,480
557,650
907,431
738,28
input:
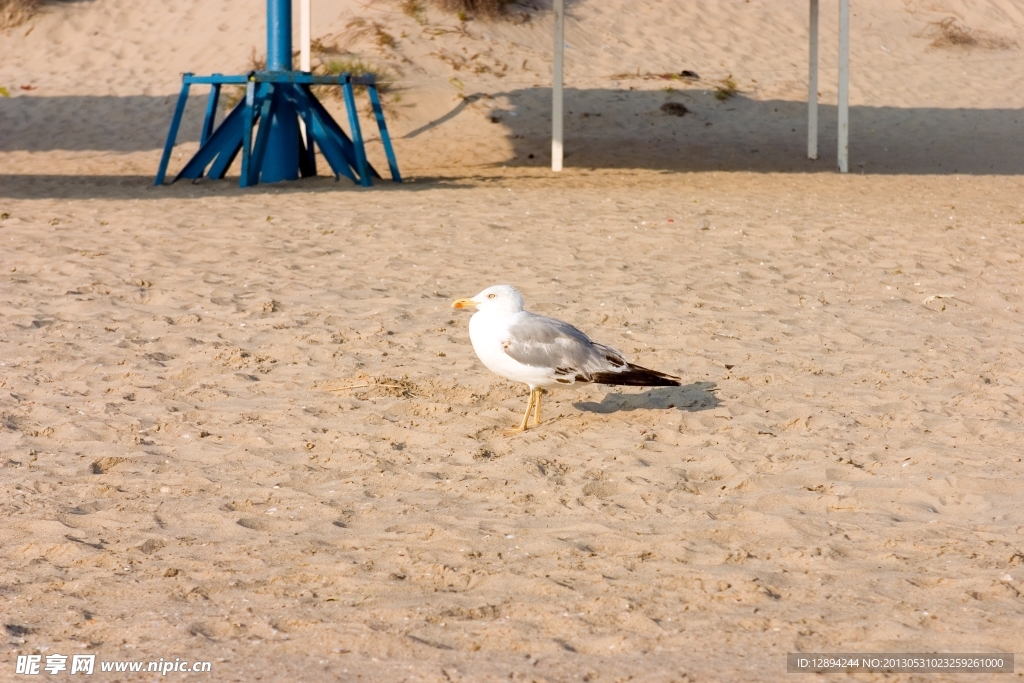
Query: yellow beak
x,y
463,303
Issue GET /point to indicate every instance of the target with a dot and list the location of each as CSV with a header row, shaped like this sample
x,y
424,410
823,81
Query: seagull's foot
x,y
534,400
536,408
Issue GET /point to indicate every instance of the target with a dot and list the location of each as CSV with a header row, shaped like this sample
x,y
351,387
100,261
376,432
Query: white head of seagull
x,y
497,299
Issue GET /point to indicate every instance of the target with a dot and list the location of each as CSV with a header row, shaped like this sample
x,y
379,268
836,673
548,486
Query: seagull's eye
x,y
491,296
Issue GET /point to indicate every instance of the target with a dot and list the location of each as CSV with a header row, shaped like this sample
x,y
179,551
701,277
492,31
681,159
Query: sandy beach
x,y
246,427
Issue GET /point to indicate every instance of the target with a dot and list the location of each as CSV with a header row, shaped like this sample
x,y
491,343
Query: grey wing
x,y
543,342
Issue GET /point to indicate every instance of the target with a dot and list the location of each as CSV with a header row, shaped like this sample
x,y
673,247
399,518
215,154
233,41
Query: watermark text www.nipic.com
x,y
903,662
35,665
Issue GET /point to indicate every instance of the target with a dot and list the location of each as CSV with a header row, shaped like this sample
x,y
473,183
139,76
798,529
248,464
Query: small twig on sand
x,y
361,386
351,386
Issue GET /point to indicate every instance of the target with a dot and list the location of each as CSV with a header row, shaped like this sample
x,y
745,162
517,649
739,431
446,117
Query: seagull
x,y
544,352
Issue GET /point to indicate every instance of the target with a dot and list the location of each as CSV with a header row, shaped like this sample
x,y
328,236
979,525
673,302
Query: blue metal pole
x,y
362,167
211,113
247,114
281,158
172,135
279,35
385,138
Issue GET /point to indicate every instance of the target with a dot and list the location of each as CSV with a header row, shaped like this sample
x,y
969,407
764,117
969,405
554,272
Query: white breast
x,y
488,332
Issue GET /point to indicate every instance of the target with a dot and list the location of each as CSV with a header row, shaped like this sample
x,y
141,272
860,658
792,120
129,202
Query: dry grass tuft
x,y
230,95
466,9
346,64
951,33
17,12
415,9
256,63
726,88
360,28
331,57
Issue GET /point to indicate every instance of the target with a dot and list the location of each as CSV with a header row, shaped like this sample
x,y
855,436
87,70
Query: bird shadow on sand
x,y
690,398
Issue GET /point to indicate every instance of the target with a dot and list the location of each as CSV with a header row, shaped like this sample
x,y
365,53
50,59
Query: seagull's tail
x,y
636,376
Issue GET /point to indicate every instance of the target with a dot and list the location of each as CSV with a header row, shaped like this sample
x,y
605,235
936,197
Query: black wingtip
x,y
636,376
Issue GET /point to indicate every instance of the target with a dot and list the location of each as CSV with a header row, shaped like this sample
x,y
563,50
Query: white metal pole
x,y
844,86
304,35
556,87
812,85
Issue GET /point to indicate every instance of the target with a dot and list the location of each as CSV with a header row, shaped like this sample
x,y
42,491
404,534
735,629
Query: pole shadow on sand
x,y
684,130
691,130
690,398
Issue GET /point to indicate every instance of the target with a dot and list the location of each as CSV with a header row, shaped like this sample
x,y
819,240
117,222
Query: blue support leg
x,y
229,143
172,134
357,134
336,146
211,112
385,137
247,123
223,143
330,144
259,149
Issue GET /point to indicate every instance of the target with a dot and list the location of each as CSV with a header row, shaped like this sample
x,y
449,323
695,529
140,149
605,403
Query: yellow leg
x,y
529,408
536,408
